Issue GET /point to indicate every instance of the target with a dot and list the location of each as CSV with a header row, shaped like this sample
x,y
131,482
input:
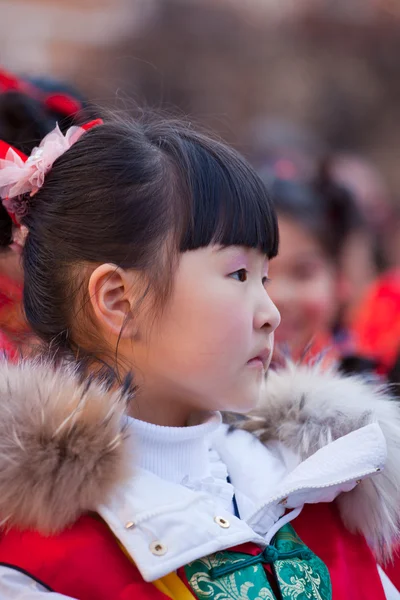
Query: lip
x,y
262,358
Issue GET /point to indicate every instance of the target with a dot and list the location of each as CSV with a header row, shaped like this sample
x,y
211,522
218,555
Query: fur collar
x,y
63,448
307,407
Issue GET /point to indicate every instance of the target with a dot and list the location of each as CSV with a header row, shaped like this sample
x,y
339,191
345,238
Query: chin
x,y
248,400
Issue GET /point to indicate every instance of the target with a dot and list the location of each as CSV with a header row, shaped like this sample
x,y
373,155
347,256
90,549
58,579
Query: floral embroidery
x,y
236,586
297,578
306,585
300,579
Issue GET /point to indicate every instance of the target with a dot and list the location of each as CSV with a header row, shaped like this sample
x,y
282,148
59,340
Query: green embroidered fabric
x,y
227,575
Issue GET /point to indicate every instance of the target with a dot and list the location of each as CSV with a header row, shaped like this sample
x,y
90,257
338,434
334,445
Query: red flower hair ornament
x,y
21,177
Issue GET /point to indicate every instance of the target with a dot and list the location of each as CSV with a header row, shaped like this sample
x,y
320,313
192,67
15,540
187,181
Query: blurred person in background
x,y
371,193
317,222
375,321
29,109
285,150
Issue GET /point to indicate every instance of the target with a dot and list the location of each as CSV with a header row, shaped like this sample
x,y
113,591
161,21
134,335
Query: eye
x,y
239,275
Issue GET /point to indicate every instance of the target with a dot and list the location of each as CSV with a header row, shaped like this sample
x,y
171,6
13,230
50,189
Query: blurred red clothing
x,y
376,327
13,327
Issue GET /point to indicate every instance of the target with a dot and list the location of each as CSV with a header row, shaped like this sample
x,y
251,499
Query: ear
x,y
112,304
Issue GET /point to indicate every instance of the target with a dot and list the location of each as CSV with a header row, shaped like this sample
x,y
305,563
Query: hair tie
x,y
21,175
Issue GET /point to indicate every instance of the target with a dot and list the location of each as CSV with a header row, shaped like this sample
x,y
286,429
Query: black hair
x,y
135,194
322,207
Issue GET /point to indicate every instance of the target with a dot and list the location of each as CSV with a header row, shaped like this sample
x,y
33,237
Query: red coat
x,y
86,562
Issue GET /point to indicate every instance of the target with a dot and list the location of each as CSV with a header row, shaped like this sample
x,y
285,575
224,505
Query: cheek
x,y
204,335
223,331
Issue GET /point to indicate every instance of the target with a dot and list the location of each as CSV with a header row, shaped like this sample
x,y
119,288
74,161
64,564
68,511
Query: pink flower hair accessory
x,y
20,176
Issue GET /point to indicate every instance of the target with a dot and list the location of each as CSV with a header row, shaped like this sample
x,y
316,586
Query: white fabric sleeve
x,y
16,585
391,592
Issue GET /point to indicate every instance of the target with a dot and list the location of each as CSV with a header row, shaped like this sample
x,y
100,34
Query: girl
x,y
147,251
309,282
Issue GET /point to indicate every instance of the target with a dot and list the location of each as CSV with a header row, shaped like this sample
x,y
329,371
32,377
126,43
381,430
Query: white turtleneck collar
x,y
184,455
175,453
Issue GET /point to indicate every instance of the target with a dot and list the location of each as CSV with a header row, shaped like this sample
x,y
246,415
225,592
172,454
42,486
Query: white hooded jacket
x,y
322,438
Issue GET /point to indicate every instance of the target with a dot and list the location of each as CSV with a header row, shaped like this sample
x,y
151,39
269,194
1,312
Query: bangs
x,y
228,203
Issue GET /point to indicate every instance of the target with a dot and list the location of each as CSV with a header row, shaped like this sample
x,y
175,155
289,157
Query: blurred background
x,y
308,90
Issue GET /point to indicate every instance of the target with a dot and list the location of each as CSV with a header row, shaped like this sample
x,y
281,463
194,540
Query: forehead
x,y
237,250
297,240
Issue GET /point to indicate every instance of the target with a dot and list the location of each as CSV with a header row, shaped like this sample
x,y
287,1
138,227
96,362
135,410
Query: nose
x,y
267,316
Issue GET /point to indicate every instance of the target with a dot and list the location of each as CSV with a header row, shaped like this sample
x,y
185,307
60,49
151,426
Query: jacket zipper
x,y
281,497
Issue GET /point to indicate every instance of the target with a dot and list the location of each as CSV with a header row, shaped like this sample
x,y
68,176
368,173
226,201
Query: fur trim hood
x,y
306,407
63,448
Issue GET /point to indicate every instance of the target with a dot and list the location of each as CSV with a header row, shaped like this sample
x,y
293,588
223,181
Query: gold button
x,y
284,501
129,525
224,523
358,481
158,549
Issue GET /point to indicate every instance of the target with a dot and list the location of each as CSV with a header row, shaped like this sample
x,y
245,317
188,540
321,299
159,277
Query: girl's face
x,y
213,344
303,286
